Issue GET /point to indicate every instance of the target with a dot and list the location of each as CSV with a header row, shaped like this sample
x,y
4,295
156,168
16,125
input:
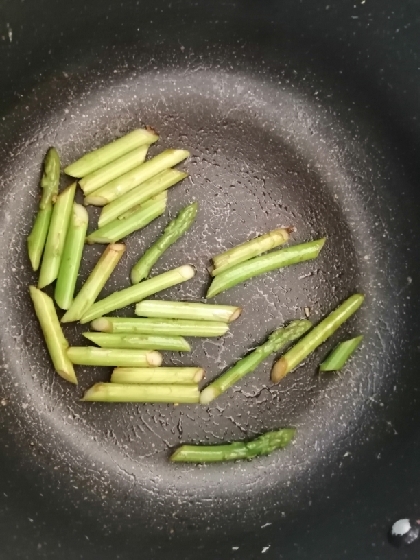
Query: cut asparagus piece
x,y
72,256
56,237
249,250
276,340
116,230
92,356
173,231
38,235
56,343
315,337
50,178
110,152
136,293
341,354
94,284
116,168
126,204
145,342
114,392
258,265
187,310
136,177
165,327
262,445
166,375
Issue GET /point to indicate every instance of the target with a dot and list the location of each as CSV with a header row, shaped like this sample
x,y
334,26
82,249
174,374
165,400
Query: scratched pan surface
x,y
277,137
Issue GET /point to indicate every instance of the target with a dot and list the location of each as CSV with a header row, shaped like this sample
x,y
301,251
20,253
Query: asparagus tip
x,y
154,359
279,370
235,314
102,325
208,395
68,376
90,393
174,457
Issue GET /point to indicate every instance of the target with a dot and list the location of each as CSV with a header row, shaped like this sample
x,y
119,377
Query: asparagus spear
x,y
38,235
56,343
116,230
165,327
110,152
49,185
135,177
92,356
316,337
72,256
258,265
124,205
94,284
50,178
249,250
168,375
187,310
173,231
146,342
56,237
113,392
275,341
138,292
114,169
340,355
262,445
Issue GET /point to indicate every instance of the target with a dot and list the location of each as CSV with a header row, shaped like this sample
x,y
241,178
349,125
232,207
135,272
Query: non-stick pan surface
x,y
284,129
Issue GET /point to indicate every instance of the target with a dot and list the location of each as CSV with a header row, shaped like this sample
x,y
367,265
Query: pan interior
x,y
264,155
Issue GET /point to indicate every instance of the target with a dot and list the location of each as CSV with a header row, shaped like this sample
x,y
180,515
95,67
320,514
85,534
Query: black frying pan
x,y
296,113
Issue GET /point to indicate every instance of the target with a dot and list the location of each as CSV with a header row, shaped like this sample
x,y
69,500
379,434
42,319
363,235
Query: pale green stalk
x,y
92,356
165,375
187,310
164,327
139,341
114,392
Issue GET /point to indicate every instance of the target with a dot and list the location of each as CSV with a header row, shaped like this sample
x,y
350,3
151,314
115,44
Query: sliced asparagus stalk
x,y
173,231
249,250
135,177
114,169
145,342
187,310
315,337
165,327
341,354
102,156
136,293
262,445
116,230
166,375
56,237
124,205
49,185
72,256
92,356
113,392
94,284
276,340
56,343
258,265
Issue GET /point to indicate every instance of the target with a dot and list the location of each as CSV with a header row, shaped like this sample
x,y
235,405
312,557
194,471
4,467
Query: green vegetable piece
x,y
56,237
276,340
56,343
38,235
187,310
116,230
50,178
258,265
136,177
92,356
102,156
173,231
136,293
238,450
113,392
319,334
164,327
139,341
72,256
341,354
161,375
94,284
249,250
